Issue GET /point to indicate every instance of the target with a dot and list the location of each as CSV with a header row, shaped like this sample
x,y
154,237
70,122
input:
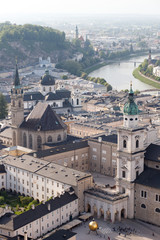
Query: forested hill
x,y
29,42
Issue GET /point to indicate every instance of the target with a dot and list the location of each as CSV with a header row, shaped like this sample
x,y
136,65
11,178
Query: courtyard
x,y
126,229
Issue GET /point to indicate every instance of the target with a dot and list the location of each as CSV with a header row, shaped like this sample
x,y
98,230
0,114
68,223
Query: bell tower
x,y
17,107
130,151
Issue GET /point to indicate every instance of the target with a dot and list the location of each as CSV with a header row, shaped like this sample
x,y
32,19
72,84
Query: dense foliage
x,y
30,32
29,42
147,69
3,107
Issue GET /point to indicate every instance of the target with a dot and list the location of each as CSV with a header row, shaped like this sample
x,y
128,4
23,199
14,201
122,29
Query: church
x,y
41,126
136,190
61,100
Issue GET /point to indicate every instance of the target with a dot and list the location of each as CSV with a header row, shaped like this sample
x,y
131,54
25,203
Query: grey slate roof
x,y
149,177
62,148
2,168
63,93
152,153
41,210
52,96
61,235
47,79
32,96
110,138
43,118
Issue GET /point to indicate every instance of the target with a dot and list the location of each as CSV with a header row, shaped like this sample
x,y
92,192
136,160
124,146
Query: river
x,y
120,75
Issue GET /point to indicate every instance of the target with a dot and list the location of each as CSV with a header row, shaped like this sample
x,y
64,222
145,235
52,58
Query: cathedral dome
x,y
47,79
130,108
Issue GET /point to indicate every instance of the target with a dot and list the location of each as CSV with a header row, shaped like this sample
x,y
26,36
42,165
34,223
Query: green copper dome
x,y
130,108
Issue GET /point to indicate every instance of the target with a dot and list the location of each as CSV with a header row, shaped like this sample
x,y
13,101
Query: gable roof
x,y
61,235
32,96
15,222
43,118
149,177
109,138
152,153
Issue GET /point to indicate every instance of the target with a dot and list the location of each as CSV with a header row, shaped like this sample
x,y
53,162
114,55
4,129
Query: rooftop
x,y
43,118
13,222
44,168
62,148
149,177
61,235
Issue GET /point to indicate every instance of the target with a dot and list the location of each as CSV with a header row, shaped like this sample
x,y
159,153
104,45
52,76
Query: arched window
x,y
157,210
77,101
124,143
54,104
30,142
44,89
14,138
39,142
13,103
50,89
19,104
49,139
143,205
24,140
137,143
59,138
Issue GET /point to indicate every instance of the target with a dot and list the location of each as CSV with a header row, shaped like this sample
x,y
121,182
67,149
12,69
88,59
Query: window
x,y
59,138
39,142
124,144
103,151
77,101
123,174
143,205
137,173
49,138
30,142
157,210
94,149
157,198
137,143
103,159
24,140
19,104
143,194
94,157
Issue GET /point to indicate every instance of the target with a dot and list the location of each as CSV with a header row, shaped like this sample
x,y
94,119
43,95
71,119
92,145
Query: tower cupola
x,y
130,111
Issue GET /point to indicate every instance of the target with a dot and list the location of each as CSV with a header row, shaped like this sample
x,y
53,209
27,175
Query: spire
x,y
16,78
77,32
130,108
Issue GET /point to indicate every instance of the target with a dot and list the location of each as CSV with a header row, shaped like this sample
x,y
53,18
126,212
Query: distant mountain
x,y
29,42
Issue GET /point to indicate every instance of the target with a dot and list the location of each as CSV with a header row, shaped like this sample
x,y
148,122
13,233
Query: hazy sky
x,y
12,7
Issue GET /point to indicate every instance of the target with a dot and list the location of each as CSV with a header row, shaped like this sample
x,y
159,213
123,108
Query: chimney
x,y
49,207
25,236
33,206
99,139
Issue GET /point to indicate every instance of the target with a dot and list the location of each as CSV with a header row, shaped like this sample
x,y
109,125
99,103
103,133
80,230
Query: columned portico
x,y
108,209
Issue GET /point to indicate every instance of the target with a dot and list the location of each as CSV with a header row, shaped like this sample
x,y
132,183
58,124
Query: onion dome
x,y
130,108
47,79
93,225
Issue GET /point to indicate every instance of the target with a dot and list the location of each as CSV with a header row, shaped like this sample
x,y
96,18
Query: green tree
x,y
3,107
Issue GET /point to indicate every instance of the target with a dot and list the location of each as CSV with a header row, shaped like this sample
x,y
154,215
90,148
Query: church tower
x,y
17,107
130,151
77,33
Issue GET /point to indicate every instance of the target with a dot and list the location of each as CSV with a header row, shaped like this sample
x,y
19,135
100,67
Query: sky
x,y
13,7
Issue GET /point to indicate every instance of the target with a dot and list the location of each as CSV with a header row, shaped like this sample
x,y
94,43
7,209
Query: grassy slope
x,y
145,80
